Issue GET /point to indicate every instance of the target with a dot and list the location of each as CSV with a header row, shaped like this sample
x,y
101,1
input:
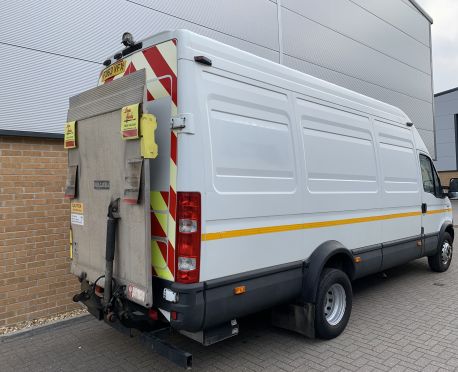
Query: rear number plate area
x,y
113,70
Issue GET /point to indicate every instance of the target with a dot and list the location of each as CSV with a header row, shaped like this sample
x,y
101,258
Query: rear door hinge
x,y
183,122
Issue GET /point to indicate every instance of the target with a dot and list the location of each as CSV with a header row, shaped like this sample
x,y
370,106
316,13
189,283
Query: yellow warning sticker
x,y
77,207
129,121
70,135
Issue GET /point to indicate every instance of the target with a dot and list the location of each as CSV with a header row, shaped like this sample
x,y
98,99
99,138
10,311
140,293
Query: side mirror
x,y
453,189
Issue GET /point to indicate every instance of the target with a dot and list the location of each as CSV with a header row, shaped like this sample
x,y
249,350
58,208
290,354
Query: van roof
x,y
191,44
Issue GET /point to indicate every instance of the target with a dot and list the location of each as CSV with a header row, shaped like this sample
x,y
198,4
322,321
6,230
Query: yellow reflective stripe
x,y
436,211
158,262
157,201
162,218
171,230
309,225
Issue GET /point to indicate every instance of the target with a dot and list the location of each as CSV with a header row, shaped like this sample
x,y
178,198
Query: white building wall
x,y
53,48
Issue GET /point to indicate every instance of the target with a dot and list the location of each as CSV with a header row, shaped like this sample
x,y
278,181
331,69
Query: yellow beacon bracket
x,y
148,125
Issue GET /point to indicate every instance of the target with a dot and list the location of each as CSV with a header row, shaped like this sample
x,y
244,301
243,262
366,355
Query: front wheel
x,y
334,302
440,262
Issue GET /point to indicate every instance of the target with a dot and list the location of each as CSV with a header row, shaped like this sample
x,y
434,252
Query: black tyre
x,y
440,262
334,301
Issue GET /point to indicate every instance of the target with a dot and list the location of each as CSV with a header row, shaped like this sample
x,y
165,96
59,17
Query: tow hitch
x,y
157,342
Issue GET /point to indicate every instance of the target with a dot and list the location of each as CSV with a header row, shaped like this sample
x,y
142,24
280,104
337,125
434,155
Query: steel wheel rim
x,y
335,304
446,252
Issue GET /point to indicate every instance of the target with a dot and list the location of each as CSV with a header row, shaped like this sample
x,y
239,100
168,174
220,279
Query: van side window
x,y
427,174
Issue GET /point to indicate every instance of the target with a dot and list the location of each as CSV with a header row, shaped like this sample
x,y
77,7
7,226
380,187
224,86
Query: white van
x,y
235,184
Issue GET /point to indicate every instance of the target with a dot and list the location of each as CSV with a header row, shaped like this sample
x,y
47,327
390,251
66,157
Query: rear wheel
x,y
334,302
440,262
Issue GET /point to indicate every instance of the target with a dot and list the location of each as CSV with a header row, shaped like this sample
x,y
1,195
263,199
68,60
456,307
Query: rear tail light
x,y
153,314
188,237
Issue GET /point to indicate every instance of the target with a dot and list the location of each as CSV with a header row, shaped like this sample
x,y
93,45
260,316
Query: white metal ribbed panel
x,y
403,16
92,29
326,48
420,112
383,37
36,86
37,98
254,20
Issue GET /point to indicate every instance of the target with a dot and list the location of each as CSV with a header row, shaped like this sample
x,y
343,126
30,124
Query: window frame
x,y
437,186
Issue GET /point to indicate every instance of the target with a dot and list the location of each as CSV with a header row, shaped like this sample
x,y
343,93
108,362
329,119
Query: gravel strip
x,y
41,321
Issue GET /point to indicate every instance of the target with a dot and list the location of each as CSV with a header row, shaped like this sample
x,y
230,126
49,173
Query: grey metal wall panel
x,y
445,136
445,122
446,150
420,112
329,49
346,51
383,37
254,20
85,29
408,3
445,164
36,86
403,16
447,104
92,29
446,108
428,138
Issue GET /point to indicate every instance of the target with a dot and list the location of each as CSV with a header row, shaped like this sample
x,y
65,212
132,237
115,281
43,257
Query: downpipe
x,y
112,223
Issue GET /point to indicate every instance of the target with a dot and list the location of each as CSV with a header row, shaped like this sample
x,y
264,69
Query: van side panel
x,y
401,193
252,181
341,180
340,160
288,167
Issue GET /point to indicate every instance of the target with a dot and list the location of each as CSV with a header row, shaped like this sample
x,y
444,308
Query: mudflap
x,y
299,318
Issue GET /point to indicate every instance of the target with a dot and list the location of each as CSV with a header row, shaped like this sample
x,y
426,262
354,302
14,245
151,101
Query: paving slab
x,y
405,322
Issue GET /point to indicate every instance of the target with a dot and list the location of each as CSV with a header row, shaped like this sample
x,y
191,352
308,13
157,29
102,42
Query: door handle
x,y
424,208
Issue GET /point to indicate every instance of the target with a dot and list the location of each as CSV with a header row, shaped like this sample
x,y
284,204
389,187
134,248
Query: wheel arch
x,y
451,231
328,254
446,227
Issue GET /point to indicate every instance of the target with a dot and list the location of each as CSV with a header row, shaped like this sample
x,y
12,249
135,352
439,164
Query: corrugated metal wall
x,y
446,109
52,49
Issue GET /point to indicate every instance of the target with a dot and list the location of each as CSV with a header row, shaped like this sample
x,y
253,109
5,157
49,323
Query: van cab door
x,y
433,204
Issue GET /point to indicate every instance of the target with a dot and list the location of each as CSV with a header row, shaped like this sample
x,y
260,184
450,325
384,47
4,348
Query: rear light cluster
x,y
188,237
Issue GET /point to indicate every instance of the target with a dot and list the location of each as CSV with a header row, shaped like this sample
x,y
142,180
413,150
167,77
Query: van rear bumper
x,y
206,304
